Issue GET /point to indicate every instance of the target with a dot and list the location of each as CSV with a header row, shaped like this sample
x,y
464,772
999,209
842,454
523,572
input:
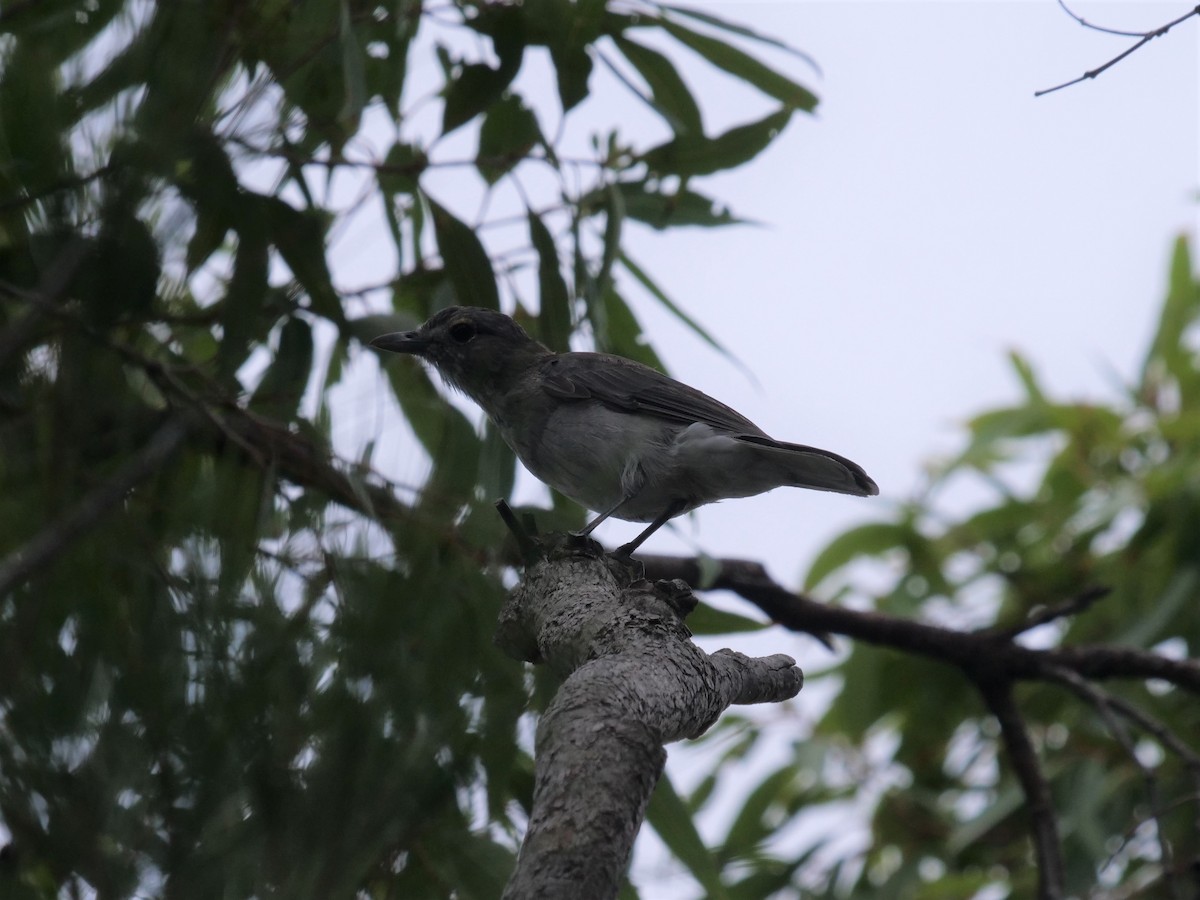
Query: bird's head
x,y
475,350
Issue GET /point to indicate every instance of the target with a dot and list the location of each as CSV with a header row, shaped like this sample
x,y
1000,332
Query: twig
x,y
61,533
1105,704
1081,602
1043,820
1146,37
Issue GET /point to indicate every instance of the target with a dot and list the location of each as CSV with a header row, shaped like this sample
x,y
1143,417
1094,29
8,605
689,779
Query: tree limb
x,y
633,682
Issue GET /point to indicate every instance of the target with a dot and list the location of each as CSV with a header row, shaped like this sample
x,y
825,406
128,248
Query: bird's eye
x,y
462,332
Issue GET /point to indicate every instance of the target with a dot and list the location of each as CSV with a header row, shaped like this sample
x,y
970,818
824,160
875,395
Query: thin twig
x,y
52,540
1081,602
1146,37
1047,846
1101,28
1106,706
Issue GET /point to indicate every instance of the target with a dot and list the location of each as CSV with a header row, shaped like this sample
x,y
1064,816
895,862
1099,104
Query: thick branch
x,y
634,681
969,651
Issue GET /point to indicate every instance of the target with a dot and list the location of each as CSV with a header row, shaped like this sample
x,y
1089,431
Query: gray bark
x,y
634,681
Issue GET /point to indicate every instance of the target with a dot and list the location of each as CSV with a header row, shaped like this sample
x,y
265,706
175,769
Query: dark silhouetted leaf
x,y
698,155
465,260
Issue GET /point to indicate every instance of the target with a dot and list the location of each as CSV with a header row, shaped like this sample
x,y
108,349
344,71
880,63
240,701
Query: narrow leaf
x,y
465,259
670,93
698,155
554,318
747,68
669,817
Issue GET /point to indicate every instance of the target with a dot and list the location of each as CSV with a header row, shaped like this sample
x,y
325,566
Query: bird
x,y
616,436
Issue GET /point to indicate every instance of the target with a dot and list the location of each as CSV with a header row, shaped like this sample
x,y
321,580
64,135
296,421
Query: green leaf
x,y
657,293
465,260
742,31
1025,372
497,465
401,169
699,155
1169,352
707,619
669,817
243,315
353,70
300,239
581,23
646,202
873,539
279,393
554,317
31,138
670,94
749,830
476,88
510,130
747,68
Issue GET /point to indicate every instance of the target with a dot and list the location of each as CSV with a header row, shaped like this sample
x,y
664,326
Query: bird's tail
x,y
821,470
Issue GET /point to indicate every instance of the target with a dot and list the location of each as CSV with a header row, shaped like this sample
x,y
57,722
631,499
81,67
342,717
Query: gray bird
x,y
612,434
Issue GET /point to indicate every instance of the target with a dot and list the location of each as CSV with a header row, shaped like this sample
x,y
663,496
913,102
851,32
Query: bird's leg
x,y
676,507
591,526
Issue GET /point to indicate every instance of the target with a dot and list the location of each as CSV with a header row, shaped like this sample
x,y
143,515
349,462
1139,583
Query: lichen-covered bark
x,y
634,681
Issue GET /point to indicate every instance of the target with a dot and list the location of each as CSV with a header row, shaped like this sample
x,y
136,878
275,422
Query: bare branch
x,y
1146,37
1043,819
1081,602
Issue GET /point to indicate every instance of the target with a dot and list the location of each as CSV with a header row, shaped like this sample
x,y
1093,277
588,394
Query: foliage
x,y
237,659
233,661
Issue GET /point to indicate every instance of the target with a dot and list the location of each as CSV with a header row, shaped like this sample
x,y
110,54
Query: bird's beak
x,y
401,342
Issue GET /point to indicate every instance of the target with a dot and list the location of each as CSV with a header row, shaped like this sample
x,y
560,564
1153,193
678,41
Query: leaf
x,y
747,68
242,314
646,202
582,21
1169,350
707,619
31,139
401,168
1028,379
749,830
699,155
657,293
743,31
554,317
510,130
282,387
670,94
476,88
669,817
300,239
353,70
497,465
465,260
873,539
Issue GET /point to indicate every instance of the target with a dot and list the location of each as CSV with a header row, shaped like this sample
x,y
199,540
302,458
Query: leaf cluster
x,y
236,657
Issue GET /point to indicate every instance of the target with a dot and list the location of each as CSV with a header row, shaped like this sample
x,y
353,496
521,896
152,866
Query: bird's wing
x,y
629,386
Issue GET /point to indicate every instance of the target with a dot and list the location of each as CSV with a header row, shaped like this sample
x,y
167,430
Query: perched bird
x,y
612,434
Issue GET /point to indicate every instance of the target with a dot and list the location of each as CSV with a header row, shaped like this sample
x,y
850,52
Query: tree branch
x,y
633,682
1146,37
1043,819
56,537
